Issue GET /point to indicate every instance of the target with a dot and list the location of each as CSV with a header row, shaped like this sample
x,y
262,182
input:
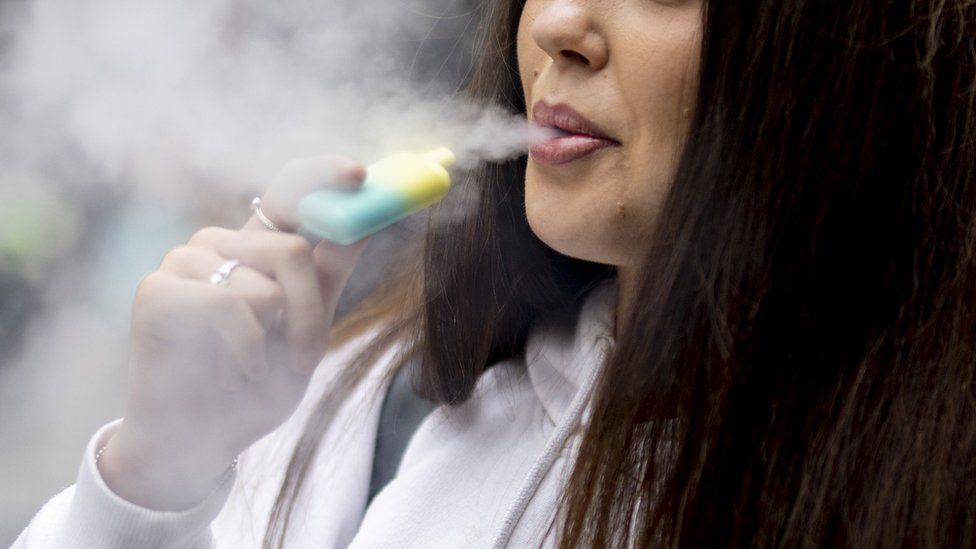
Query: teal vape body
x,y
395,187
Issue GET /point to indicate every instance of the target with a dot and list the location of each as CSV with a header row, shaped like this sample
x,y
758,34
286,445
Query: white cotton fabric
x,y
476,475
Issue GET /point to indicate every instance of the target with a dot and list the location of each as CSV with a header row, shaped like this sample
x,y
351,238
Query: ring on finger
x,y
221,277
258,213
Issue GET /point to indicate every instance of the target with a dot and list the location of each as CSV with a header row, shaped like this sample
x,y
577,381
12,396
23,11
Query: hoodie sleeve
x,y
89,514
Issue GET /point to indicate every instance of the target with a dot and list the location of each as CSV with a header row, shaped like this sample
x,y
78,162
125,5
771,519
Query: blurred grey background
x,y
71,255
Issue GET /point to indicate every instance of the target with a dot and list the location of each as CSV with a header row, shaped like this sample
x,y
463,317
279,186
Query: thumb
x,y
334,264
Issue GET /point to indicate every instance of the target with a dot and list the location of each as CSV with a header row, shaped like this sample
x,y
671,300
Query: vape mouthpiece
x,y
443,156
395,187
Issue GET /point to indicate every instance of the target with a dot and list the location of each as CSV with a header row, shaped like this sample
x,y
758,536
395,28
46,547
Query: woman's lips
x,y
567,148
577,137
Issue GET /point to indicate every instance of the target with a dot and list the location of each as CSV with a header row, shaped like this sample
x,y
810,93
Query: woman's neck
x,y
626,294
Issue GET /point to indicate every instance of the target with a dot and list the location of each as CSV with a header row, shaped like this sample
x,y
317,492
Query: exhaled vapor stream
x,y
155,94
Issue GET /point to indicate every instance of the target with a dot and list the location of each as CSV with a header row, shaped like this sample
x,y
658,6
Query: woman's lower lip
x,y
568,148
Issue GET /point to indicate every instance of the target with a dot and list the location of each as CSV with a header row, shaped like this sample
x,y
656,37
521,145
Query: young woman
x,y
734,306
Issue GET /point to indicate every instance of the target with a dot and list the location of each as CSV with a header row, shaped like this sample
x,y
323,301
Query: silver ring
x,y
221,277
256,208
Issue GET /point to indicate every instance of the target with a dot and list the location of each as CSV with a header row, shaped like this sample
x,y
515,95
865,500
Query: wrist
x,y
157,478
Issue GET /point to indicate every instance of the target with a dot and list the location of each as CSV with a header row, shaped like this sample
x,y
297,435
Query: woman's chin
x,y
566,237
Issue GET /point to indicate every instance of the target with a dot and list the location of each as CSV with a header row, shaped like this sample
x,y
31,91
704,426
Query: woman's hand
x,y
215,367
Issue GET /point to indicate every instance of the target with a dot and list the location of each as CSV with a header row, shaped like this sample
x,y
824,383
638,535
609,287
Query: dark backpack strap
x,y
402,412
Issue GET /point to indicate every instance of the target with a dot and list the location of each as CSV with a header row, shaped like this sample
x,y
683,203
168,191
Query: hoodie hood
x,y
560,354
563,364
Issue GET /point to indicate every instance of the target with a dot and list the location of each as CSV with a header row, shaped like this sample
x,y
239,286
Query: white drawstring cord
x,y
530,485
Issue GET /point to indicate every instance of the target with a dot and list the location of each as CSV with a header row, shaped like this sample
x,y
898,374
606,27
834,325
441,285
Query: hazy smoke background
x,y
128,125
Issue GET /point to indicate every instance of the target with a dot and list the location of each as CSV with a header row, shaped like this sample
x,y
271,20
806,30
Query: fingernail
x,y
355,172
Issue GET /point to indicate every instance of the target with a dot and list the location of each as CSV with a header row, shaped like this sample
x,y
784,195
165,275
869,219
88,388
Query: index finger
x,y
299,178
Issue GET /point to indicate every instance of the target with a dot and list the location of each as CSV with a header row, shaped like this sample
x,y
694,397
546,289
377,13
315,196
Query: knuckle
x,y
295,249
152,284
274,294
291,166
206,235
157,297
178,257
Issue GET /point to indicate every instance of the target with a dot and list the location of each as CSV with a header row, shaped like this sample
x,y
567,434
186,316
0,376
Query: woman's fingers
x,y
299,178
334,263
233,320
265,296
223,324
287,259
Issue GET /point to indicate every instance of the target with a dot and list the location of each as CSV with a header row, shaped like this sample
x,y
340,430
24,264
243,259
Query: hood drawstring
x,y
567,426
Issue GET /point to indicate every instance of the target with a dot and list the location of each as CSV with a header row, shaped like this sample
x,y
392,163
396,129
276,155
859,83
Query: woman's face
x,y
618,77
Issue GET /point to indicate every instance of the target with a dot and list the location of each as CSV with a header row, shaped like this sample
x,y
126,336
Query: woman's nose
x,y
564,30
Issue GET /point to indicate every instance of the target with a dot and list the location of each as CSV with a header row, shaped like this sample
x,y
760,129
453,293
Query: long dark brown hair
x,y
798,366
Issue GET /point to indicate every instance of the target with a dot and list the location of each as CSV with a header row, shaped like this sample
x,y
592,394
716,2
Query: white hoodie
x,y
487,473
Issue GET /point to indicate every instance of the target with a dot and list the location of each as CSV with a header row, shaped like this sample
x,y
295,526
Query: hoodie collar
x,y
560,352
